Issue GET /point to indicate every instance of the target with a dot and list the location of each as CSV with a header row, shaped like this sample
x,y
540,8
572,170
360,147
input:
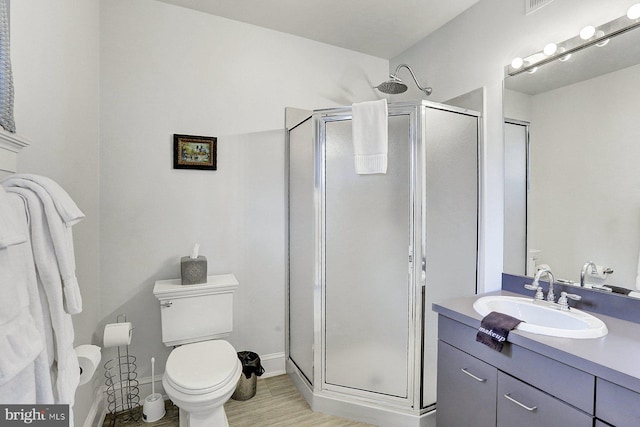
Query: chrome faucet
x,y
563,301
594,270
551,296
583,272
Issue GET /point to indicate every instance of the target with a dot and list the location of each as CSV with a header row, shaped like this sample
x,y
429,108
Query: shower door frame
x,y
415,260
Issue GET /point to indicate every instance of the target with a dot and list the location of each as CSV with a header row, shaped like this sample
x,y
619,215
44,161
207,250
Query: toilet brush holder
x,y
153,408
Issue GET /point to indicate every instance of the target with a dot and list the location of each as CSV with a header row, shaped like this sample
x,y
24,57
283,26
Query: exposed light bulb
x,y
565,57
587,32
634,12
517,63
550,49
604,42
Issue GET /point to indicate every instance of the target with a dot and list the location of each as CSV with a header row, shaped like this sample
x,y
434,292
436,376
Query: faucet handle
x,y
570,296
535,287
564,300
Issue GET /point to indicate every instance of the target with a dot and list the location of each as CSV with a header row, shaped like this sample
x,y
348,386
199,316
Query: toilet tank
x,y
192,313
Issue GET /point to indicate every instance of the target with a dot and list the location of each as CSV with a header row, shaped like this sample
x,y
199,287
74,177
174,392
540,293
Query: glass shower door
x,y
302,246
367,274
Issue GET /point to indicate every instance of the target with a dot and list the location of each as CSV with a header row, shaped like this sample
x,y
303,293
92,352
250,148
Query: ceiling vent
x,y
533,5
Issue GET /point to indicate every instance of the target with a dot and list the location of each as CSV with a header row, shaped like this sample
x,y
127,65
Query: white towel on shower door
x,y
370,136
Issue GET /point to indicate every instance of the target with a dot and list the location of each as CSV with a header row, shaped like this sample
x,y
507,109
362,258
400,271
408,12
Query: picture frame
x,y
195,152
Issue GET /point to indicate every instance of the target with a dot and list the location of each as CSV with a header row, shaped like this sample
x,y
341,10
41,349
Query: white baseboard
x,y
98,410
273,364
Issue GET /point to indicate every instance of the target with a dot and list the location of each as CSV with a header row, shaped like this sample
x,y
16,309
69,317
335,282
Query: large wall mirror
x,y
572,157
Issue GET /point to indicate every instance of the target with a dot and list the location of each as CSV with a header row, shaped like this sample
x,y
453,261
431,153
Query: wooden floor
x,y
276,403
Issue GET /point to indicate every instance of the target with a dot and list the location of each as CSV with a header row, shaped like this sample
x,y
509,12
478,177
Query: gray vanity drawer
x,y
567,383
466,389
617,405
519,404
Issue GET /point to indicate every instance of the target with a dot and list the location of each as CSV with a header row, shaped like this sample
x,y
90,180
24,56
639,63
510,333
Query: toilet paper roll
x,y
116,334
89,359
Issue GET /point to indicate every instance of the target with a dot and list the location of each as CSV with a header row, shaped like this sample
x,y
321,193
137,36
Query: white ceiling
x,y
383,28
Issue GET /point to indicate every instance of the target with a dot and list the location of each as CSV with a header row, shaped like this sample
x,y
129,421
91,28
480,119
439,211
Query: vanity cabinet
x,y
479,386
617,405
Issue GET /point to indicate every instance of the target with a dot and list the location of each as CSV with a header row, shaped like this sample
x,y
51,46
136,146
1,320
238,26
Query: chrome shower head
x,y
395,85
392,87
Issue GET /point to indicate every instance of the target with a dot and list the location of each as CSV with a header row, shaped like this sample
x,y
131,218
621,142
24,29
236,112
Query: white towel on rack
x,y
59,230
10,231
65,371
39,311
66,207
370,136
21,336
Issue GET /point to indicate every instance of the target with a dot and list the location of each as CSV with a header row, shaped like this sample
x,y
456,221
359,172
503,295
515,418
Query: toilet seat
x,y
201,367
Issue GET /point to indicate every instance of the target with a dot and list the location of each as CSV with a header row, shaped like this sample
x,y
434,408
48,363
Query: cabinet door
x,y
617,405
519,404
466,390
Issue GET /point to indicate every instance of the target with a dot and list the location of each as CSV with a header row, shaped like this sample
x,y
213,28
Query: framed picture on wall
x,y
194,152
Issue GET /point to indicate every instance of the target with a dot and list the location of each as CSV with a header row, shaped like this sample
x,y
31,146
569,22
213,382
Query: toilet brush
x,y
153,408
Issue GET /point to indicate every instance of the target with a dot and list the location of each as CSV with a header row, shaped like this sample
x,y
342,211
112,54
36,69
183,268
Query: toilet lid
x,y
202,367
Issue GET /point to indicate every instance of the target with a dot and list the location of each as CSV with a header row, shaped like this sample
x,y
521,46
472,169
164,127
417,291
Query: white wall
x,y
148,70
54,49
583,201
167,70
470,52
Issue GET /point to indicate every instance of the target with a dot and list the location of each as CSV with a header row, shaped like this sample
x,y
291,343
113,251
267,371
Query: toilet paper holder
x,y
121,379
88,361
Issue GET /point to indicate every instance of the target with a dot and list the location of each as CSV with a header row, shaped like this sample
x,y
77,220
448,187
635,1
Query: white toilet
x,y
202,372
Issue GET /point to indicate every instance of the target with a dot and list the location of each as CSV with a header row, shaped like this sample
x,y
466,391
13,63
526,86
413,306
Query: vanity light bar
x,y
589,36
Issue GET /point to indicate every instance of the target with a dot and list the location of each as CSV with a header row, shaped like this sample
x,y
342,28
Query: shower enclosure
x,y
368,254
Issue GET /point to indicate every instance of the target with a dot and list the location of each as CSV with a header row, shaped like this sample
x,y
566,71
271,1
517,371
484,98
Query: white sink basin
x,y
540,319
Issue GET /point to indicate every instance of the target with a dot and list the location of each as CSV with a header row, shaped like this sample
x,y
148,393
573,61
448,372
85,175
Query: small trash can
x,y
251,370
